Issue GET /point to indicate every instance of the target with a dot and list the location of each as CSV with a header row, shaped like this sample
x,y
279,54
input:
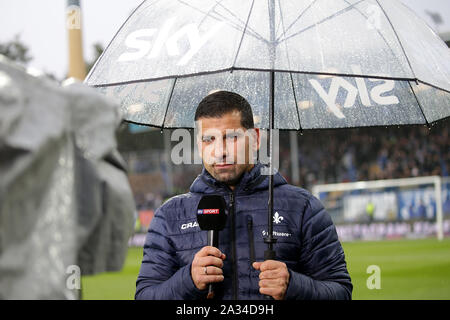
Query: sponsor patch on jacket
x,y
277,234
189,225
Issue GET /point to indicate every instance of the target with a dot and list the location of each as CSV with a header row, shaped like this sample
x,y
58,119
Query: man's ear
x,y
258,139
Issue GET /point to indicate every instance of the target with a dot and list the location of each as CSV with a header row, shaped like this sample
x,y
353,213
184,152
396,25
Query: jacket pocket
x,y
251,241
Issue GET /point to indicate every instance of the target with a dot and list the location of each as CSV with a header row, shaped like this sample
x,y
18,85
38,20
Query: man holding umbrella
x,y
310,262
303,65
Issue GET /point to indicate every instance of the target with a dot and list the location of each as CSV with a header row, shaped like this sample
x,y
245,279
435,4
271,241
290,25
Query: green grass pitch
x,y
409,269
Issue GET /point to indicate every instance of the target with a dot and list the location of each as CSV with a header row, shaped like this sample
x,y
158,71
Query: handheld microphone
x,y
211,216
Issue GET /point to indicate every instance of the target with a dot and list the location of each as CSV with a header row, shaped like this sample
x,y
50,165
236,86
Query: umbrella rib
x,y
432,85
308,129
223,18
210,11
233,24
284,31
324,20
243,34
168,102
255,34
279,22
301,14
259,70
289,65
418,103
398,39
296,103
378,31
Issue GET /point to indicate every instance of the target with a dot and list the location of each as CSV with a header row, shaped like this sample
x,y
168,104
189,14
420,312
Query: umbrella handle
x,y
270,254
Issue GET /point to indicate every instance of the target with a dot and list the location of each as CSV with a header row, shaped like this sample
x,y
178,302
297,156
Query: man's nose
x,y
221,150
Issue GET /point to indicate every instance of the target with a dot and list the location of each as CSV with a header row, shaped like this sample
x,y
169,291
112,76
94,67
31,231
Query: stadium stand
x,y
324,157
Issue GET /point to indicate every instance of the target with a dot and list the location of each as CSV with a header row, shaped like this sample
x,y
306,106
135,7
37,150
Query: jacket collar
x,y
250,182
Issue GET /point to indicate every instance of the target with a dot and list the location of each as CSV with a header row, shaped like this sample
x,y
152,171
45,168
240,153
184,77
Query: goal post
x,y
436,181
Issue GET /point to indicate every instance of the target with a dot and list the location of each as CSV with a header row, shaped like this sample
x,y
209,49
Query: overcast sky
x,y
41,25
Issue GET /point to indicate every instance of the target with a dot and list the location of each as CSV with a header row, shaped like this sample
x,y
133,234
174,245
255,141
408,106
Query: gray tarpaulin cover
x,y
65,199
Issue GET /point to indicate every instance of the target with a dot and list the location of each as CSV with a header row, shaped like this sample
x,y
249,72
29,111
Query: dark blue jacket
x,y
307,242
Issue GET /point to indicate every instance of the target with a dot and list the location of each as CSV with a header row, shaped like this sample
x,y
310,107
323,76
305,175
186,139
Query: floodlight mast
x,y
77,65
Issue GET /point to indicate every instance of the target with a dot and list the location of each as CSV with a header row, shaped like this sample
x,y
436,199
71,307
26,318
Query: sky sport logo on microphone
x,y
208,211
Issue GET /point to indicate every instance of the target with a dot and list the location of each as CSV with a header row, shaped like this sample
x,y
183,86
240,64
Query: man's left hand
x,y
273,279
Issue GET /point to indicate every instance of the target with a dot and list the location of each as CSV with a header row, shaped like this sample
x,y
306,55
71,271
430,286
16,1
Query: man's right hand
x,y
208,259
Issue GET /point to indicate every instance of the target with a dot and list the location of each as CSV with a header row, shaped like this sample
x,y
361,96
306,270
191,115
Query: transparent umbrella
x,y
301,64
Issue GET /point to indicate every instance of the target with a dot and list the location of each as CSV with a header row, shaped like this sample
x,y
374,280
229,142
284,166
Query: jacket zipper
x,y
250,239
233,246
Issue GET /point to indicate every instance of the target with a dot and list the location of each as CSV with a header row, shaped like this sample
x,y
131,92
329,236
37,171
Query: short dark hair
x,y
219,103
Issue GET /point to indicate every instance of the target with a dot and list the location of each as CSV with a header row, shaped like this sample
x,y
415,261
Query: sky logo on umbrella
x,y
149,43
378,94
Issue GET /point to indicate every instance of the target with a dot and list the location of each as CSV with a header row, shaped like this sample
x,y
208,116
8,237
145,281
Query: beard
x,y
230,176
232,179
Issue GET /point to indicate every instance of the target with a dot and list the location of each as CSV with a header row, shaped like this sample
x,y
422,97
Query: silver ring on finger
x,y
206,270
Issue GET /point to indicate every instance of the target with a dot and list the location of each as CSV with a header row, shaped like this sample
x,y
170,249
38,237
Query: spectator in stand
x,y
372,154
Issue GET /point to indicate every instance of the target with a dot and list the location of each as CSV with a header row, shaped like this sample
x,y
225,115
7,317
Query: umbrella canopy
x,y
335,63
